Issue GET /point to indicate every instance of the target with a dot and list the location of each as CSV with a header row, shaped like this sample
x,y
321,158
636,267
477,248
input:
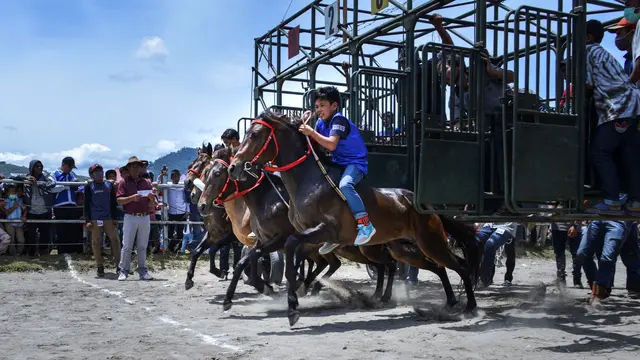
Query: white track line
x,y
207,339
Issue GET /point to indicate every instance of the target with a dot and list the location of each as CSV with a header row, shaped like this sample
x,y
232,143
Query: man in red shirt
x,y
136,196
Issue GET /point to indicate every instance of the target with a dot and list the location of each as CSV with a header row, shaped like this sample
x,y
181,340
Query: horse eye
x,y
217,174
253,134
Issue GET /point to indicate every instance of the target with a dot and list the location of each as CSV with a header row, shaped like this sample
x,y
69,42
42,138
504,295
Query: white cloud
x,y
167,145
152,48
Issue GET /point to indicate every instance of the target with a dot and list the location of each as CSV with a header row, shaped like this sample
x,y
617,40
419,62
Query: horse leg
x,y
322,263
314,236
188,284
434,245
334,264
226,239
382,260
416,259
237,272
256,279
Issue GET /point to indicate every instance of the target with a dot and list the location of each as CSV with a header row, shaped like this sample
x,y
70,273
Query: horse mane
x,y
280,118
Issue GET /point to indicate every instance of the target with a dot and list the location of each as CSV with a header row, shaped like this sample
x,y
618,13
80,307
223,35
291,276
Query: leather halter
x,y
274,168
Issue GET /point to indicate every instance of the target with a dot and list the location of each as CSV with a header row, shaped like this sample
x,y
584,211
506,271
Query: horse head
x,y
260,145
218,185
196,171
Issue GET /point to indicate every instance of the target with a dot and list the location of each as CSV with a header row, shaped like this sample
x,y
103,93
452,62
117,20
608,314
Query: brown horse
x,y
218,232
265,201
319,214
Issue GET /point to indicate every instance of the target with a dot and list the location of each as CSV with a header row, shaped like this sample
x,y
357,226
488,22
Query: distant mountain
x,y
7,169
180,160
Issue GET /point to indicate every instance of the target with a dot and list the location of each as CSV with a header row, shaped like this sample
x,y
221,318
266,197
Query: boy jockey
x,y
340,136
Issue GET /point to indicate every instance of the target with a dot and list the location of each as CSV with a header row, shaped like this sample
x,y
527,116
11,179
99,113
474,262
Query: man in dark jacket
x,y
38,196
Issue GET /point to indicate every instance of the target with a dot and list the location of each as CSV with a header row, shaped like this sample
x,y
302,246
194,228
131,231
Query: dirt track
x,y
65,315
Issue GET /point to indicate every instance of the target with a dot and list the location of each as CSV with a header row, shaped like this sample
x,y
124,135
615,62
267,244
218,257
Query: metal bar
x,y
290,18
540,218
84,183
32,221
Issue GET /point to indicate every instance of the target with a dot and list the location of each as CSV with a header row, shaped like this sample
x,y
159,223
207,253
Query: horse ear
x,y
209,149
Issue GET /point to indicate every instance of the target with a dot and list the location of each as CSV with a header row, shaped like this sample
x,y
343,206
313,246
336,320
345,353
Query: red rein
x,y
275,142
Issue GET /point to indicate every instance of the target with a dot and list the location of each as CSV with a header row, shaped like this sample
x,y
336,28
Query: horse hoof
x,y
188,284
302,290
226,305
267,290
294,316
216,272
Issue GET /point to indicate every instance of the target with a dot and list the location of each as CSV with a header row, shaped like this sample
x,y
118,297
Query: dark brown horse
x,y
318,214
265,200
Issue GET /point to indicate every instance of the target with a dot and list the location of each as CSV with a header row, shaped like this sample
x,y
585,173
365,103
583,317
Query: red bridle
x,y
218,200
272,136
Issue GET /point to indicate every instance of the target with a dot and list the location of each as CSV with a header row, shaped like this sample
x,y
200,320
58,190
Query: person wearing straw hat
x,y
136,195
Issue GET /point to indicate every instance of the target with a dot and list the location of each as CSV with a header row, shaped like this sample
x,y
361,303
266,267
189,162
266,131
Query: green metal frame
x,y
367,37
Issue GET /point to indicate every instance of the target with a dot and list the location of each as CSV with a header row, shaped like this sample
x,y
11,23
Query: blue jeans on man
x,y
610,237
622,135
493,240
630,256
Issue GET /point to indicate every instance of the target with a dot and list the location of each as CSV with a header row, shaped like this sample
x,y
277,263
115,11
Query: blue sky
x,y
104,80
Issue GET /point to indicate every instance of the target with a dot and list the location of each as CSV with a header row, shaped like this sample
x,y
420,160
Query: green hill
x,y
180,160
7,169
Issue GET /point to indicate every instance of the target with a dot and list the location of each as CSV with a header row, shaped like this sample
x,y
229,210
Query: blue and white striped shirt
x,y
614,95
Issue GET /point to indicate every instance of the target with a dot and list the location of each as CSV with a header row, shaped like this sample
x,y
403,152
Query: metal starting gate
x,y
426,125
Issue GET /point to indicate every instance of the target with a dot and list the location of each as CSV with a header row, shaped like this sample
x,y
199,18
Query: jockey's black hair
x,y
230,134
329,93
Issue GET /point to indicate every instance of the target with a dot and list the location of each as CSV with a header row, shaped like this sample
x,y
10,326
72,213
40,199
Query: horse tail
x,y
465,236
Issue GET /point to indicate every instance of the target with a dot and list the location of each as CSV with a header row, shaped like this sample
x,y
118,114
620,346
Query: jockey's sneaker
x,y
507,283
100,271
146,276
632,208
607,207
328,248
123,276
365,233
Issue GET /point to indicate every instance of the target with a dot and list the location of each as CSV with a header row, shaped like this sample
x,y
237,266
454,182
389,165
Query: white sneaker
x,y
122,276
251,235
146,276
328,248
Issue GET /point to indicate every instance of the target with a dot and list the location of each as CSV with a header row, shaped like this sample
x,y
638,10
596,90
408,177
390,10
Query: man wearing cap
x,y
624,31
136,195
100,211
65,208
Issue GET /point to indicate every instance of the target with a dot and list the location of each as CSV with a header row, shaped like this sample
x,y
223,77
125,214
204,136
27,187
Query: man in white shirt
x,y
178,210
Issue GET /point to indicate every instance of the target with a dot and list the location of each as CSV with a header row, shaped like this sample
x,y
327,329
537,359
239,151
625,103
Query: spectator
x,y
178,210
617,103
135,194
5,239
493,239
38,196
230,137
624,31
14,209
66,208
100,211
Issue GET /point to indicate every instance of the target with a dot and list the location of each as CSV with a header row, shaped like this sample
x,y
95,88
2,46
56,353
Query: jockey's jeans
x,y
350,178
610,236
135,228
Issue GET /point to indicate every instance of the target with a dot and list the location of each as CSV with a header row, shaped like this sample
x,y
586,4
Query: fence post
x,y
165,211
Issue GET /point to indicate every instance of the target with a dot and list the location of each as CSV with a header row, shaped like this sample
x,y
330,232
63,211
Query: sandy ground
x,y
66,315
